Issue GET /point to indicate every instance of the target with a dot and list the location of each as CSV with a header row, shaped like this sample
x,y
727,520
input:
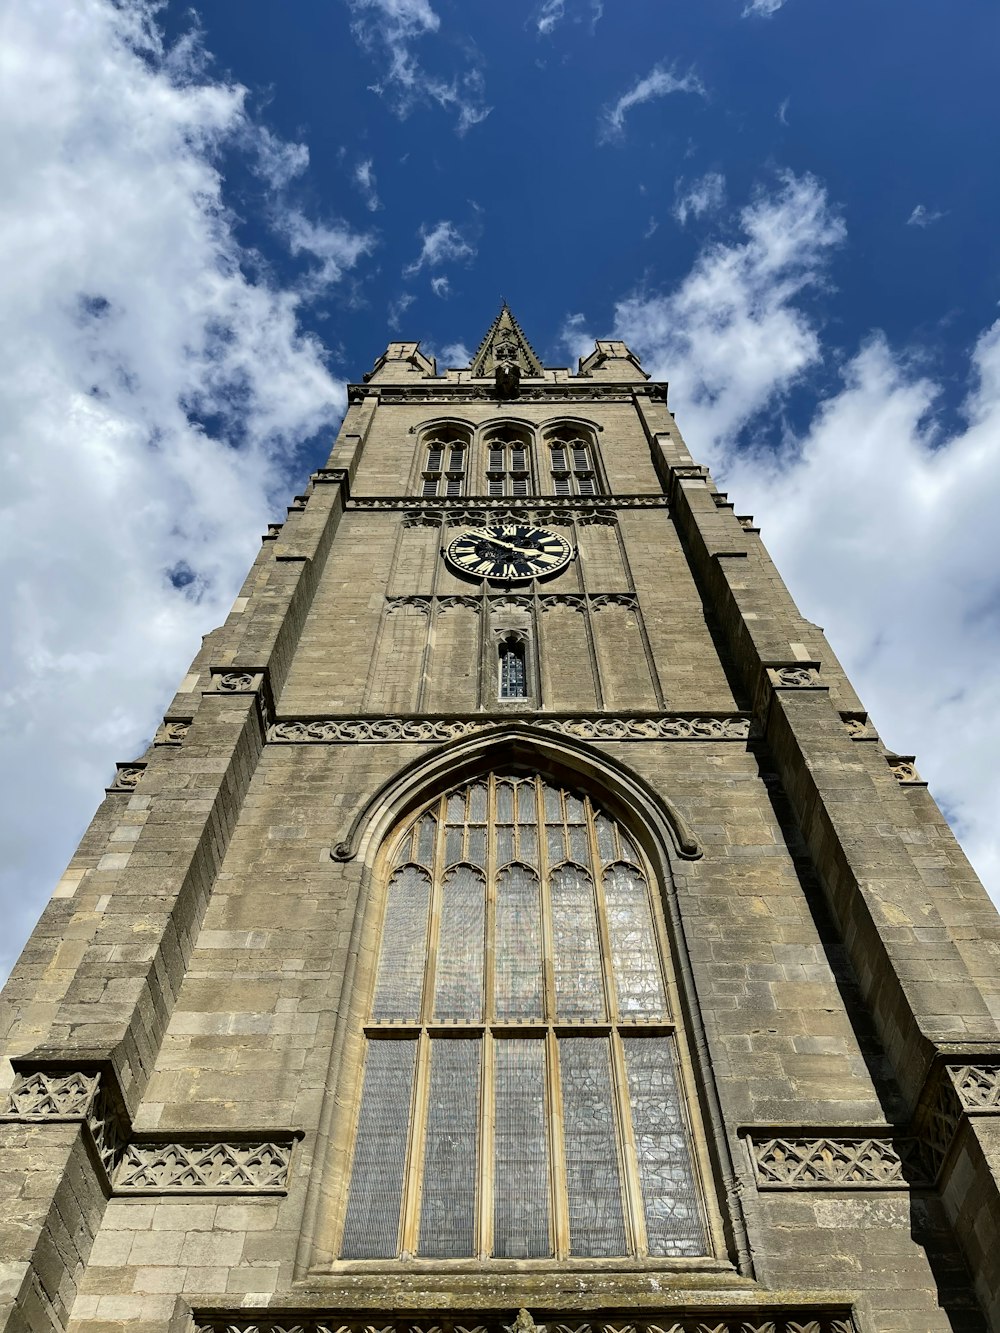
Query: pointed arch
x,y
622,791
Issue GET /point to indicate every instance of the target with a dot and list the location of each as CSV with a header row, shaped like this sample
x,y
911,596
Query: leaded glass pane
x,y
477,803
518,952
526,803
426,832
554,839
371,1227
451,1151
575,813
456,808
634,955
605,839
579,846
505,844
577,962
400,979
521,1160
593,1180
505,803
476,852
527,839
670,1201
453,845
458,983
553,806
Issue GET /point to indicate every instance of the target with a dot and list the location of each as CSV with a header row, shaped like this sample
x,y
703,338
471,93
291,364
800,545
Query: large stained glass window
x,y
521,1095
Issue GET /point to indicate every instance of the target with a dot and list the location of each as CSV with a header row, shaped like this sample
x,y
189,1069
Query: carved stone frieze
x,y
422,518
740,1319
474,510
487,393
904,769
957,1090
868,1162
421,604
134,1165
652,727
216,1167
449,603
605,599
173,731
235,682
127,777
794,677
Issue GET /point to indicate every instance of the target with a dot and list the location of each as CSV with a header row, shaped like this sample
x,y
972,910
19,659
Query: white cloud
x,y
550,14
335,246
659,82
441,244
153,398
389,30
924,217
762,8
783,110
882,523
704,195
731,333
440,286
455,354
276,161
398,308
575,337
364,179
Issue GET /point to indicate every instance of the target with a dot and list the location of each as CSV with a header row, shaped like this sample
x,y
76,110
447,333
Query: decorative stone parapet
x,y
715,1320
837,1162
600,727
133,1165
573,504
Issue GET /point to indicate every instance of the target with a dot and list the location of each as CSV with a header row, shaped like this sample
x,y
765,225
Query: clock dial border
x,y
465,553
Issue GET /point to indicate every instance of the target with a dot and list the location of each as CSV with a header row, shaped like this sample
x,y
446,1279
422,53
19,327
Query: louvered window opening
x,y
444,471
572,470
507,471
521,1096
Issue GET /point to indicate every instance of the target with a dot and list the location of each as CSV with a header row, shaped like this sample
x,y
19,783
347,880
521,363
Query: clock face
x,y
509,552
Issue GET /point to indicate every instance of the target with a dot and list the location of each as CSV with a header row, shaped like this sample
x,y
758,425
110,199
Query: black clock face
x,y
509,552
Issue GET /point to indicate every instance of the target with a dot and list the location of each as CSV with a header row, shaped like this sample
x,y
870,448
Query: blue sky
x,y
216,216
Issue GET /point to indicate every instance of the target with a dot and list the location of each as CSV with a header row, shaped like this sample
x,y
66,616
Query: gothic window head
x,y
572,460
443,454
523,1094
513,668
508,461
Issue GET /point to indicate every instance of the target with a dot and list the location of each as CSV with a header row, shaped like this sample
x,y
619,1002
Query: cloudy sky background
x,y
213,218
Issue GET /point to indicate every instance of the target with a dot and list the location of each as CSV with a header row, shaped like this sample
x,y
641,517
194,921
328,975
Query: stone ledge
x,y
596,727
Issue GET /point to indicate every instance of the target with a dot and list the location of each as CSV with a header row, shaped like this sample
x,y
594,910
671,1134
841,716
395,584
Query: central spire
x,y
505,353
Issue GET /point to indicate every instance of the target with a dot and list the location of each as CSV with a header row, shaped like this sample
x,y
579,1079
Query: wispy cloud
x,y
389,31
398,308
552,13
783,106
659,82
364,179
335,246
704,195
441,286
762,8
156,389
924,217
441,244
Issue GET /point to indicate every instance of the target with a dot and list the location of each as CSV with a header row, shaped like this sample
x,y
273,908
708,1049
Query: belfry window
x,y
444,467
521,1096
513,670
507,467
572,467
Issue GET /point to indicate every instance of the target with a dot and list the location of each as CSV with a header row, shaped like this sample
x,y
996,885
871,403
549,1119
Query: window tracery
x,y
521,1096
508,464
571,462
445,451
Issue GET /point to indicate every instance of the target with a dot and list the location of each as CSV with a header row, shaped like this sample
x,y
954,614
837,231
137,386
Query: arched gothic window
x,y
572,466
513,669
508,465
444,464
521,1096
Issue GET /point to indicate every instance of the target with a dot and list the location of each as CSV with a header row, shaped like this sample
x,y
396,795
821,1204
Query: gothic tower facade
x,y
516,921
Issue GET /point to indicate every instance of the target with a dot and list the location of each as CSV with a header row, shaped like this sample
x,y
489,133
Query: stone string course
x,y
716,1321
653,727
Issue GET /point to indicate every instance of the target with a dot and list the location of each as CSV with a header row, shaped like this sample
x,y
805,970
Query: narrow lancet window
x,y
513,670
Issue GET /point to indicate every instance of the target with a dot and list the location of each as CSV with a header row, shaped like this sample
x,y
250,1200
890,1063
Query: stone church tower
x,y
516,922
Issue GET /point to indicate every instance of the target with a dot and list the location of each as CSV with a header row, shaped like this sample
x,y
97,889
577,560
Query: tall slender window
x,y
513,670
572,467
508,467
521,1096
